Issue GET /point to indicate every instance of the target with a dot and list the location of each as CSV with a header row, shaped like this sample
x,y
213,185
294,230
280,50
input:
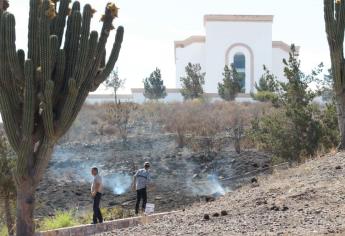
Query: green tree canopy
x,y
154,86
231,85
193,82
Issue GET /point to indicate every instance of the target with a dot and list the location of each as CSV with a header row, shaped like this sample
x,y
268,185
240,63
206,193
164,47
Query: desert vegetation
x,y
231,84
154,88
42,92
41,95
192,83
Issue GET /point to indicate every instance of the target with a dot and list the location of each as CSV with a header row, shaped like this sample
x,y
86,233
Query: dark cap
x,y
147,164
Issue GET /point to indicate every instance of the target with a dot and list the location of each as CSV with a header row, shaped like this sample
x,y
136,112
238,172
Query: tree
x,y
114,82
326,89
268,82
293,131
231,85
193,82
154,86
268,88
334,11
41,95
119,115
7,185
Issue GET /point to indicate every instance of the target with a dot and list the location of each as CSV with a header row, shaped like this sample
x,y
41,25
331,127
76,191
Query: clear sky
x,y
151,26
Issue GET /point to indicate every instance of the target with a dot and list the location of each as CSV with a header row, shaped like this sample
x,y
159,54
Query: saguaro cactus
x,y
41,95
334,12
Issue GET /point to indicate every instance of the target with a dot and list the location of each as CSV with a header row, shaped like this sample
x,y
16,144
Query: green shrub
x,y
297,128
330,132
266,96
3,230
107,213
60,220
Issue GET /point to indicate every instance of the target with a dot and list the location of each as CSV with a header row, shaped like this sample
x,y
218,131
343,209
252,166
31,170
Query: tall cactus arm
x,y
54,50
45,44
73,46
75,8
13,61
107,18
68,107
60,21
9,120
25,158
72,42
9,104
340,16
59,76
103,75
47,110
29,103
21,58
334,12
84,44
92,49
330,20
33,46
87,85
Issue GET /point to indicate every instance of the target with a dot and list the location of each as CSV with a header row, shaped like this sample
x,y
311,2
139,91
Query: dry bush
x,y
118,115
207,127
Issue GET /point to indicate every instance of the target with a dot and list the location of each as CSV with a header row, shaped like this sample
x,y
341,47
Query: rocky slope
x,y
306,200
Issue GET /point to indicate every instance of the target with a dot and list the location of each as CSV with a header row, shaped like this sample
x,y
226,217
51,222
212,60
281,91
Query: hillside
x,y
306,200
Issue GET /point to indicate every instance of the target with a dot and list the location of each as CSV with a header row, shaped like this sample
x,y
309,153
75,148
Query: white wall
x,y
278,55
194,53
220,36
175,96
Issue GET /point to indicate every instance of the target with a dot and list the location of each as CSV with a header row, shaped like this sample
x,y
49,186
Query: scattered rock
x,y
209,199
223,213
216,214
275,208
261,202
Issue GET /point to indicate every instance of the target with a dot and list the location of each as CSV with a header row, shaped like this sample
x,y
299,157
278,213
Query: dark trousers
x,y
141,194
97,215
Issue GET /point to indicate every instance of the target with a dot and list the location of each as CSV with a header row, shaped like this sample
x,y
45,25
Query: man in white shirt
x,y
141,181
96,192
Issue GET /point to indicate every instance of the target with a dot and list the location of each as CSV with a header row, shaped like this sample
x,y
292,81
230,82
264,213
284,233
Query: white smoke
x,y
208,186
119,183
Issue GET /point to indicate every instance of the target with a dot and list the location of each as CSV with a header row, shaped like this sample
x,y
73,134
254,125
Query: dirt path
x,y
307,200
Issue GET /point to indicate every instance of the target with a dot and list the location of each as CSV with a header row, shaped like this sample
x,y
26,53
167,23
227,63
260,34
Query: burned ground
x,y
181,177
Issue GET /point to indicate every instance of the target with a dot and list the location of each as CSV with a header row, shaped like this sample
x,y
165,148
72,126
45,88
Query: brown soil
x,y
306,200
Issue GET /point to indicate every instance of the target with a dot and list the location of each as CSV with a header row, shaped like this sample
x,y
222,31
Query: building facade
x,y
242,40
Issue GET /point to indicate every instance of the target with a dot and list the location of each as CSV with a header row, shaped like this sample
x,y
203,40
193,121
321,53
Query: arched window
x,y
240,66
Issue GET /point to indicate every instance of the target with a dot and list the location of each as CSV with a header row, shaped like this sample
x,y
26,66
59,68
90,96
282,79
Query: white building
x,y
245,40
